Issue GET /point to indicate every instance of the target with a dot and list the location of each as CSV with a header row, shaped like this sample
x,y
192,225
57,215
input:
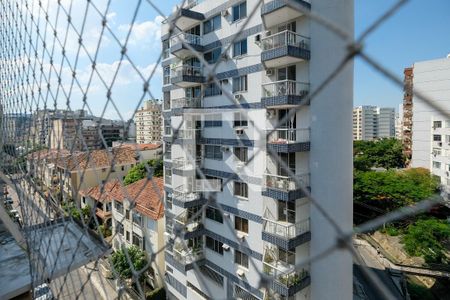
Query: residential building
x,y
407,113
371,122
430,126
268,221
17,128
146,151
84,170
148,123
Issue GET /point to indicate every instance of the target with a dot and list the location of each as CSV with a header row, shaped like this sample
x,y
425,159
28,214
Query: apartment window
x,y
137,240
166,73
123,168
286,256
214,245
212,89
239,11
127,235
241,258
165,47
213,152
127,214
437,124
241,189
137,218
212,24
436,165
169,201
213,56
241,153
241,224
240,120
119,207
437,137
213,121
215,178
240,48
119,228
214,214
240,84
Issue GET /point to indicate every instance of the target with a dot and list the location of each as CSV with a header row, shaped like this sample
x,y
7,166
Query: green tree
x,y
426,238
384,153
121,264
139,171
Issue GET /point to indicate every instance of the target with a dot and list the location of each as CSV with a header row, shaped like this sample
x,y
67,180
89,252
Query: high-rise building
x,y
371,122
148,122
430,128
255,129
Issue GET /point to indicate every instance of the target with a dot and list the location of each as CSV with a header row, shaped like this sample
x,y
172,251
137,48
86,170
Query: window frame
x,y
217,153
239,11
213,214
241,153
242,189
241,44
213,24
241,224
240,120
241,259
216,246
240,84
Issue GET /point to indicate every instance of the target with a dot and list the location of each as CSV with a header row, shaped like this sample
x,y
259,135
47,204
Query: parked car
x,y
42,292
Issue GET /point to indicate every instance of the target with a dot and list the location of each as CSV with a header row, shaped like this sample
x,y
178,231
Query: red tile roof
x,y
98,159
48,154
141,147
147,194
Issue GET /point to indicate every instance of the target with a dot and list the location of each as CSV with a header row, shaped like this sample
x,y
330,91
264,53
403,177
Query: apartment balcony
x,y
284,187
284,93
274,12
187,76
284,234
284,48
287,280
182,43
192,226
186,18
179,104
184,198
102,214
186,257
288,140
182,166
184,136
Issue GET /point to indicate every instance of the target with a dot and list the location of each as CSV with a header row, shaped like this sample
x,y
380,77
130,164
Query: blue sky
x,y
418,31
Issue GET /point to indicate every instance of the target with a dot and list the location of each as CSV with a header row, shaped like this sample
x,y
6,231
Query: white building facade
x,y
262,221
430,127
371,122
148,123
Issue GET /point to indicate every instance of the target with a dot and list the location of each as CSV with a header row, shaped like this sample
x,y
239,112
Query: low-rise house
x,y
146,151
41,165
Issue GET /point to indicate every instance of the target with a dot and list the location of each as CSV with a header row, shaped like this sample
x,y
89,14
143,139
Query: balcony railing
x,y
286,183
187,102
186,38
188,134
182,194
282,229
283,272
186,70
187,256
182,163
288,136
285,88
186,219
285,38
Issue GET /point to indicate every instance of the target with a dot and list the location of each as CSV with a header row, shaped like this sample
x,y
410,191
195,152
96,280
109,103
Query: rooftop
x,y
141,147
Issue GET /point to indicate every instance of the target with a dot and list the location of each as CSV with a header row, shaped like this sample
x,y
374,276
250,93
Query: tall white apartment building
x,y
148,122
371,122
430,127
221,128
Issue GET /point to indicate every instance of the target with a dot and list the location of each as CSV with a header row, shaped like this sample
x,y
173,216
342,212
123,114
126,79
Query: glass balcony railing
x,y
182,194
182,163
288,135
186,38
285,88
186,70
188,134
286,183
283,229
285,38
188,255
187,102
283,272
190,220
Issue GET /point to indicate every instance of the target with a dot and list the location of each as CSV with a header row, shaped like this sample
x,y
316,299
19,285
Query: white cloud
x,y
145,34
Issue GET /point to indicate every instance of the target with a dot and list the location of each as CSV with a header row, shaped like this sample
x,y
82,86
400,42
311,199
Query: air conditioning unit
x,y
241,236
225,13
240,272
225,247
270,114
440,144
269,72
225,149
239,131
238,97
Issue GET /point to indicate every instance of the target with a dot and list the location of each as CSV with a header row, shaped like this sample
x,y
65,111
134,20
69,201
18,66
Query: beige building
x,y
148,123
146,151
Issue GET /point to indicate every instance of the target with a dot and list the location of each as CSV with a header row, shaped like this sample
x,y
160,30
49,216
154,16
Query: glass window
x,y
241,224
240,120
213,89
437,124
213,121
213,56
437,137
213,152
241,258
241,189
436,165
241,153
214,245
240,84
212,24
214,214
119,228
239,11
240,48
137,219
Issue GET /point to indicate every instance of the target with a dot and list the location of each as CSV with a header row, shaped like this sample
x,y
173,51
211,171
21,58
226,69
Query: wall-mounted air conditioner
x,y
238,97
269,72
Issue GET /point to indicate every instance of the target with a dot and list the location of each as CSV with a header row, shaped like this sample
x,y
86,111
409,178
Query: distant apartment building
x,y
17,128
148,122
371,122
224,128
407,120
430,127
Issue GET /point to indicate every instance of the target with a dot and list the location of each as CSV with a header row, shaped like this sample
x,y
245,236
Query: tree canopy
x,y
121,264
384,153
139,171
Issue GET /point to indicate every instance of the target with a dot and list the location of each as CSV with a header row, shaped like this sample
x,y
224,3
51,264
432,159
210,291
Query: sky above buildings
x,y
418,31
